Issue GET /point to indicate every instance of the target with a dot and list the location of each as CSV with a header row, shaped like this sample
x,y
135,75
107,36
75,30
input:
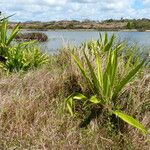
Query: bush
x,y
102,67
20,56
41,37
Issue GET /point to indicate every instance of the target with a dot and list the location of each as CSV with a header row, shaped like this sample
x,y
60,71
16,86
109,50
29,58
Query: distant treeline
x,y
143,24
110,24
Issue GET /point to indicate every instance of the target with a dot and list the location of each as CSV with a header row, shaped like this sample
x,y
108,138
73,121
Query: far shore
x,y
101,30
127,25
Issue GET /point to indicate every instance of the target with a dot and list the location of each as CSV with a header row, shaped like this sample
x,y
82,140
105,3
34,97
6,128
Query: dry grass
x,y
31,114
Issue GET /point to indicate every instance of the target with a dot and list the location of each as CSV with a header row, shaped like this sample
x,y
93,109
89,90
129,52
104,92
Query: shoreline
x,y
73,30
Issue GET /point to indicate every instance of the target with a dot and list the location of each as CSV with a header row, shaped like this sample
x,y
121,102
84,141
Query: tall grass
x,y
31,104
31,116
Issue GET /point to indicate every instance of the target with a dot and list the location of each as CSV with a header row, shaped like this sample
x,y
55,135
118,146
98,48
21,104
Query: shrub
x,y
5,41
41,37
20,56
105,80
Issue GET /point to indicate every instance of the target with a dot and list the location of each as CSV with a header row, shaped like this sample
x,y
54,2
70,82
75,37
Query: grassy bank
x,y
32,117
33,112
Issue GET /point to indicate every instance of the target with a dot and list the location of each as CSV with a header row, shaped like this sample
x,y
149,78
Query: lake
x,y
59,38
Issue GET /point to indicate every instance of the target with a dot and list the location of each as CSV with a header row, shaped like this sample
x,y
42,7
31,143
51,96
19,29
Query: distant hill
x,y
139,24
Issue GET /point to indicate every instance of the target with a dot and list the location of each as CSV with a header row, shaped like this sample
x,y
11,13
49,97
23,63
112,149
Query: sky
x,y
54,10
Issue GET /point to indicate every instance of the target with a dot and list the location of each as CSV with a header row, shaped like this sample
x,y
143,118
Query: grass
x,y
31,111
32,114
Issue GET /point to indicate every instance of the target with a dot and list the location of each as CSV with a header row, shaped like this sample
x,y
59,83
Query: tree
x,y
129,25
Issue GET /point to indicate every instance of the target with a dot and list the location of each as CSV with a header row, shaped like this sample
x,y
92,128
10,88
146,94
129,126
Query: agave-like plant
x,y
19,56
6,40
23,57
104,81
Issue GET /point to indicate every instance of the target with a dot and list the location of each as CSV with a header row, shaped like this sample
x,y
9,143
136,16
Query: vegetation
x,y
110,24
139,25
106,84
32,118
20,56
41,37
32,109
130,25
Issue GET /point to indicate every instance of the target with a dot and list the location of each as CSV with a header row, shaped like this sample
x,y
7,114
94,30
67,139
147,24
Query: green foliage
x,y
5,40
142,25
20,56
130,121
104,79
131,25
70,26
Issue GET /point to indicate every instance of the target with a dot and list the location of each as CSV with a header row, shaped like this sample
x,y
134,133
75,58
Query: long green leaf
x,y
94,100
127,78
100,37
83,71
109,44
6,17
130,120
79,96
114,64
105,38
107,75
4,31
70,105
70,101
27,43
93,75
99,67
13,34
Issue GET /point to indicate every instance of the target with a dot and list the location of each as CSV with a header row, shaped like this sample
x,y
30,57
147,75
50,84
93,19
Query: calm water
x,y
59,38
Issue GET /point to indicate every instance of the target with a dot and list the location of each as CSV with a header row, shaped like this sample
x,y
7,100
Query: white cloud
x,y
46,10
146,3
83,1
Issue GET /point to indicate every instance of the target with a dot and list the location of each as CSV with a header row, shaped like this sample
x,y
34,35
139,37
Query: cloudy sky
x,y
47,10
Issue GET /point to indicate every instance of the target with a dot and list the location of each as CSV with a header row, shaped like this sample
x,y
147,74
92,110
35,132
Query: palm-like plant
x,y
23,57
104,81
20,56
5,40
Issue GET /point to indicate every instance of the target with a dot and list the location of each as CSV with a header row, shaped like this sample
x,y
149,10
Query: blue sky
x,y
48,10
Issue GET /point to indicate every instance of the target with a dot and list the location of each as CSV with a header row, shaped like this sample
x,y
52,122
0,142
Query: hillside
x,y
139,24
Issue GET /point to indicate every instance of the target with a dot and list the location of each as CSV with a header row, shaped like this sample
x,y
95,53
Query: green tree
x,y
131,25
